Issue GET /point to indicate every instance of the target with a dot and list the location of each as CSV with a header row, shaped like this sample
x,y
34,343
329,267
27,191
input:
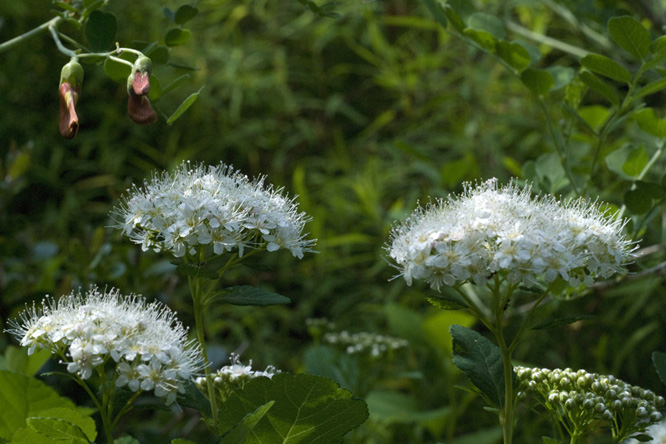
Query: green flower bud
x,y
138,81
71,79
72,73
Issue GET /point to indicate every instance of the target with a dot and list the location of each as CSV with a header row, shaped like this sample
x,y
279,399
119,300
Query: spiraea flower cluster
x,y
491,229
145,342
373,344
583,401
215,206
235,376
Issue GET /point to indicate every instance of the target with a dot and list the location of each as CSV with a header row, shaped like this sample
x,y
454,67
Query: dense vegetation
x,y
362,114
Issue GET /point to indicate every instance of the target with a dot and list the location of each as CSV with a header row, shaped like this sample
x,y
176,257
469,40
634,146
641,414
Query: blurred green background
x,y
362,116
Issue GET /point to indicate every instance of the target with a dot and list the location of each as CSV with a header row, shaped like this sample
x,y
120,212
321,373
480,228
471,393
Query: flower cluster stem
x,y
198,306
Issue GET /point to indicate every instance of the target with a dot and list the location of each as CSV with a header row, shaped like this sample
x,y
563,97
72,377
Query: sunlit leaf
x,y
606,67
630,35
189,101
649,122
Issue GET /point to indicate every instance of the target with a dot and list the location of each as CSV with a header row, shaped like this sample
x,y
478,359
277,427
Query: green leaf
x,y
176,83
480,360
562,76
642,437
73,418
58,429
183,107
159,55
249,295
595,83
177,36
594,116
181,441
308,409
651,88
168,13
126,440
399,408
18,360
193,398
22,397
635,162
155,89
659,361
101,30
446,302
485,436
323,360
538,81
637,201
630,35
454,18
241,432
435,8
547,440
185,13
559,322
481,21
117,71
649,122
606,67
482,38
514,54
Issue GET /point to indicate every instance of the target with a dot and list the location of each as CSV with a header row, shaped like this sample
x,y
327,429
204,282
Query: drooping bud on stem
x,y
71,79
138,87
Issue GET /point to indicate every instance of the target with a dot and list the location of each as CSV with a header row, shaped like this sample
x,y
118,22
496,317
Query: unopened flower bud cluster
x,y
235,376
491,229
375,345
581,399
145,342
214,206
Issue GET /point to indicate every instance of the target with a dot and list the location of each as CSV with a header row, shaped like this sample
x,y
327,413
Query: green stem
x,y
507,410
18,39
198,305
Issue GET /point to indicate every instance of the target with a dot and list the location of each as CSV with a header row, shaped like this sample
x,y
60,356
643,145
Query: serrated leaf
x,y
659,361
75,417
606,67
481,21
630,35
21,397
480,360
18,360
57,429
241,432
595,83
193,398
514,54
249,295
558,322
101,30
177,36
185,13
308,409
539,81
435,8
183,107
649,122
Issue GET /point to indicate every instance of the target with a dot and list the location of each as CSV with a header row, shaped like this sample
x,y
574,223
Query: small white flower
x,y
215,205
146,342
491,229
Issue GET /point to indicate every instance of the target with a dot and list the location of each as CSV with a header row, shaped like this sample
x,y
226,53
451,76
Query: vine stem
x,y
18,39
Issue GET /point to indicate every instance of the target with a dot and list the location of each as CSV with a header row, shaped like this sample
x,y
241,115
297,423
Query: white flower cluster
x,y
146,342
491,229
585,400
214,205
355,343
234,376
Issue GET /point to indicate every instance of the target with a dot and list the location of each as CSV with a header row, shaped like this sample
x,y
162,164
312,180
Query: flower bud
x,y
71,79
139,80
